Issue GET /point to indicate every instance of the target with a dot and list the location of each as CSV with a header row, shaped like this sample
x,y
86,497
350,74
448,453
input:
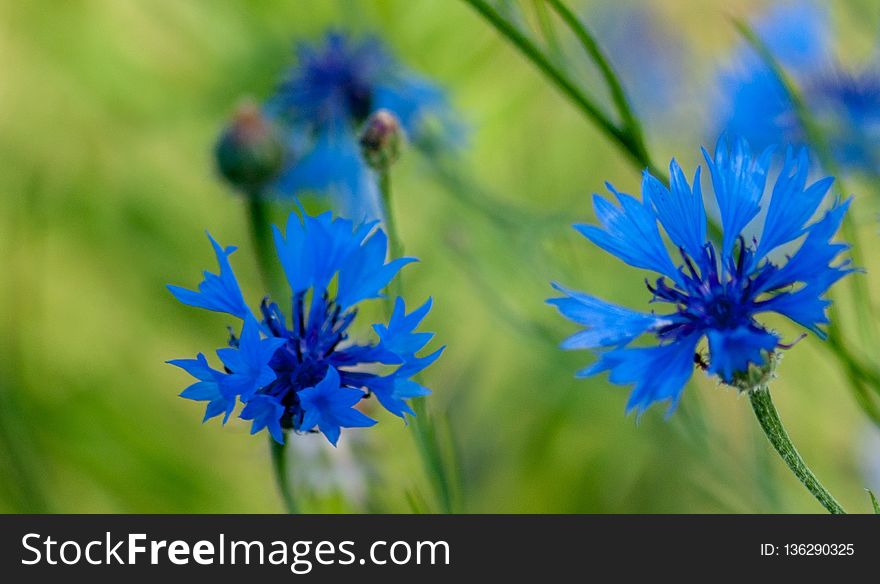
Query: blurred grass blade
x,y
630,138
416,502
502,214
20,467
586,105
615,87
874,503
436,464
548,31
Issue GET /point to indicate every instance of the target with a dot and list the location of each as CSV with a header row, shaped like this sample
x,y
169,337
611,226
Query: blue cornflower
x,y
758,107
714,293
328,95
305,373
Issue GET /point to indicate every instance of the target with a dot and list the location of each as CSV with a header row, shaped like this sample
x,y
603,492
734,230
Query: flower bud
x,y
381,139
250,152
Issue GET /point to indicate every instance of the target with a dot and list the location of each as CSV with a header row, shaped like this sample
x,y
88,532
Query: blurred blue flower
x,y
650,61
327,96
847,105
714,293
305,373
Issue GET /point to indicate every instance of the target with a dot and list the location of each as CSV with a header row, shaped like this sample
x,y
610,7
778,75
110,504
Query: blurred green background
x,y
108,114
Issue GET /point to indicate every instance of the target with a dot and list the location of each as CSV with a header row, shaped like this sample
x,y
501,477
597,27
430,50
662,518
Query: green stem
x,y
427,439
282,476
530,50
395,243
612,80
264,247
768,417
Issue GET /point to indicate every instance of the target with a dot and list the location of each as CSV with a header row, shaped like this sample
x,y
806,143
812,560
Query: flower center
x,y
303,361
724,312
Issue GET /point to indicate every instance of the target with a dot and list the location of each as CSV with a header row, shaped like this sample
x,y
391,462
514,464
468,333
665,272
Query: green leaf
x,y
874,502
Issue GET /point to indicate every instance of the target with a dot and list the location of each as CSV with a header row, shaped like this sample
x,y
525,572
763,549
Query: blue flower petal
x,y
364,273
680,209
792,204
731,350
630,233
329,406
386,391
608,324
266,412
217,292
658,373
314,249
249,362
209,388
812,261
398,336
738,180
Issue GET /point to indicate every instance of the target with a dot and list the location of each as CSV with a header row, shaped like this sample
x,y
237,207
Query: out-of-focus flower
x,y
846,104
715,293
327,97
304,373
649,60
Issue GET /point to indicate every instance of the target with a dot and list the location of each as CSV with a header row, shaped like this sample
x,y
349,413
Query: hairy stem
x,y
769,420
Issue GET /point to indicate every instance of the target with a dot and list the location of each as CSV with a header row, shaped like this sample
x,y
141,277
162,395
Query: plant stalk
x,y
772,426
282,474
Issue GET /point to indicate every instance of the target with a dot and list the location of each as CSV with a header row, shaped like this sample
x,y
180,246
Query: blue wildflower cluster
x,y
714,293
304,373
846,103
324,101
